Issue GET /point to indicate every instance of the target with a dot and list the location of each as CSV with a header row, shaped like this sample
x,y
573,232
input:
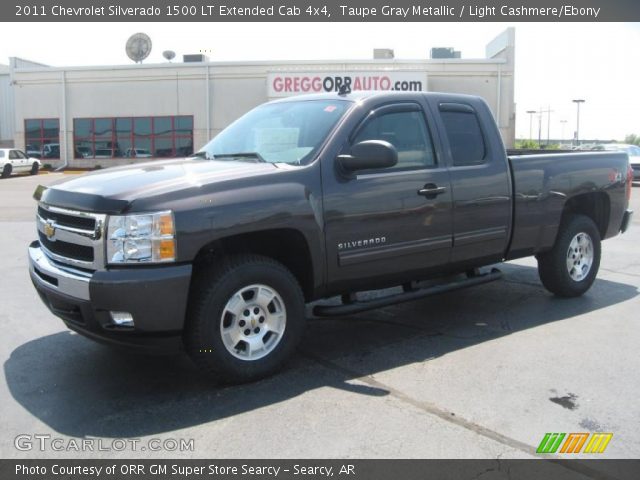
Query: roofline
x,y
269,63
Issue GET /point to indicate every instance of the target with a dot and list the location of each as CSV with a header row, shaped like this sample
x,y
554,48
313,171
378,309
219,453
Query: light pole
x,y
563,123
578,101
531,112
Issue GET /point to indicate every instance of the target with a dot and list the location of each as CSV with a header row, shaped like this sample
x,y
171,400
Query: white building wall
x,y
6,108
232,88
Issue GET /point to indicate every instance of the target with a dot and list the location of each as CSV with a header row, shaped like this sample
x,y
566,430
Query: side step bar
x,y
357,307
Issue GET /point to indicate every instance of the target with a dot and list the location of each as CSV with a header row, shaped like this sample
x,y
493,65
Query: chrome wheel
x,y
580,256
253,322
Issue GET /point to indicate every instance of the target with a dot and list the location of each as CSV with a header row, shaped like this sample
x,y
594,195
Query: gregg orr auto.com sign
x,y
286,84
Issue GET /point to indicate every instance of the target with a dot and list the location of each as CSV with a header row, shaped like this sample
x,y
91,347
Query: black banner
x,y
321,11
317,469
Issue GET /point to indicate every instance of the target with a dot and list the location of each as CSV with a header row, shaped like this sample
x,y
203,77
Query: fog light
x,y
122,319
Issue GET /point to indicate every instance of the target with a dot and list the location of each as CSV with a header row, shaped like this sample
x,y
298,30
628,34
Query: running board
x,y
357,307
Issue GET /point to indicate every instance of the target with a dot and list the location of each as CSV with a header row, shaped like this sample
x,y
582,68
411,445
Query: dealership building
x,y
111,115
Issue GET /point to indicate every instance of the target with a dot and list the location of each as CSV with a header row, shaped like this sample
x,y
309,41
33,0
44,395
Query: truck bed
x,y
542,183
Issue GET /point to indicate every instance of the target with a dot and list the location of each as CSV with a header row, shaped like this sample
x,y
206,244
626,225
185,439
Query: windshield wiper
x,y
199,155
253,155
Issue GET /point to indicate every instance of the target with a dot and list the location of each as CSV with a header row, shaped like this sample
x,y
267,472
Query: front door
x,y
394,221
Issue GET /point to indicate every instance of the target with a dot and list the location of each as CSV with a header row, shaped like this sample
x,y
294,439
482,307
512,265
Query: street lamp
x,y
563,123
578,101
531,112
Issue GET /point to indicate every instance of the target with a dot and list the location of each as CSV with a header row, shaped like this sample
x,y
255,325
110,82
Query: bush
x,y
47,166
97,167
527,144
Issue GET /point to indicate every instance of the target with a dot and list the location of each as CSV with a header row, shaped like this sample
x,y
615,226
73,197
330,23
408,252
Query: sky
x,y
555,62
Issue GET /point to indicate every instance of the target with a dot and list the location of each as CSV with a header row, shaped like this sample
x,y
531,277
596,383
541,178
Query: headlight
x,y
148,238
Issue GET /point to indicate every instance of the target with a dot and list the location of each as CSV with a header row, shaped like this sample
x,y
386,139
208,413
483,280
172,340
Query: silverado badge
x,y
49,229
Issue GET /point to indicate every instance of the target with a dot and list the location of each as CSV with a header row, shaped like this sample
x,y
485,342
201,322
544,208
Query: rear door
x,y
393,221
480,181
17,162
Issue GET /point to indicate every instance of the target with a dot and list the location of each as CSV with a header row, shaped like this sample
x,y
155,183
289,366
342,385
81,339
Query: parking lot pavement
x,y
483,372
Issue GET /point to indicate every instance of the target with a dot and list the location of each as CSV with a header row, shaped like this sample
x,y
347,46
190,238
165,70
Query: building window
x,y
133,137
42,137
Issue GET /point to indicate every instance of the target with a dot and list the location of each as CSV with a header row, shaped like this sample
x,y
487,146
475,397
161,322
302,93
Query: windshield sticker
x,y
276,139
330,108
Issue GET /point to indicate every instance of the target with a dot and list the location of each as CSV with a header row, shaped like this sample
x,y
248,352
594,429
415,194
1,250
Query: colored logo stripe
x,y
550,442
598,442
574,442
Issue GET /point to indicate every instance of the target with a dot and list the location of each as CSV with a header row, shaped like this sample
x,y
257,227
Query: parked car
x,y
33,152
51,150
307,198
137,153
13,160
104,153
83,152
634,155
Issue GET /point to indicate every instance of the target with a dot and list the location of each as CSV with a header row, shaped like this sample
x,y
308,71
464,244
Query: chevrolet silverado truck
x,y
310,198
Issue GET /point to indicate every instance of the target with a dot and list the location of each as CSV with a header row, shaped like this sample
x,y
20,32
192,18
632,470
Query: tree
x,y
633,139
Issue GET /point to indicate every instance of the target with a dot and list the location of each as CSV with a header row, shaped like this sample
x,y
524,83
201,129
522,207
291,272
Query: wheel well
x,y
287,246
594,205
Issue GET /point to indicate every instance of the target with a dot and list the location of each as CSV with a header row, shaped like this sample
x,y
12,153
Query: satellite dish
x,y
138,47
169,54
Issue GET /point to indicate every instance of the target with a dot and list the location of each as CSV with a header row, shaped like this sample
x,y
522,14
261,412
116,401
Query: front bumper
x,y
156,297
626,220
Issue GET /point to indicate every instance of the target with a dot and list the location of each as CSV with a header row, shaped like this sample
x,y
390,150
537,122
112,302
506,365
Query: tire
x,y
223,340
570,273
34,169
6,171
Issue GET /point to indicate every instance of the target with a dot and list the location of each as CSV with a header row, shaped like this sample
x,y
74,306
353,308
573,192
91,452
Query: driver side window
x,y
407,132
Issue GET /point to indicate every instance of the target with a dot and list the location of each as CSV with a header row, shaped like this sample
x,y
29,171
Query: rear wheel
x,y
6,171
570,267
34,168
247,317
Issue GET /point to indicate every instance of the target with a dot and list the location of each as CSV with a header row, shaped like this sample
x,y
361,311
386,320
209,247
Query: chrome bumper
x,y
49,275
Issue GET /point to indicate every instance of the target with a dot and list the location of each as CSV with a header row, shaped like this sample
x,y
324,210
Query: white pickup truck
x,y
13,160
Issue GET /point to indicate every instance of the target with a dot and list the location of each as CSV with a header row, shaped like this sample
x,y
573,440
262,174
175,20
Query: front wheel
x,y
245,320
570,267
34,168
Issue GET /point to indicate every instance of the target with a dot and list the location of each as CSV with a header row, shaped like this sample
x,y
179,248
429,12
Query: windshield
x,y
287,132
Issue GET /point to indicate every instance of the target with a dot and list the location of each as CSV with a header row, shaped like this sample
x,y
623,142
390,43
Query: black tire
x,y
553,266
212,288
34,169
6,171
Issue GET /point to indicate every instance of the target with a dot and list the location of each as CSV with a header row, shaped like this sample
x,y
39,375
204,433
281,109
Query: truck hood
x,y
112,190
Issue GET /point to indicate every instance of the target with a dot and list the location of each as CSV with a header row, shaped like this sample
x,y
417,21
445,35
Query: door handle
x,y
431,190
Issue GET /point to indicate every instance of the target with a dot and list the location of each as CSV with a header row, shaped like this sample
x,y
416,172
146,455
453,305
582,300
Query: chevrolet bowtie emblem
x,y
49,229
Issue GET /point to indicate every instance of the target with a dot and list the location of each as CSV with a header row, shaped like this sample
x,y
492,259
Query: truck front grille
x,y
72,237
71,251
83,223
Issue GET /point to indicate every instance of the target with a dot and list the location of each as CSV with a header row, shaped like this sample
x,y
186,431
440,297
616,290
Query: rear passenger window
x,y
407,131
465,137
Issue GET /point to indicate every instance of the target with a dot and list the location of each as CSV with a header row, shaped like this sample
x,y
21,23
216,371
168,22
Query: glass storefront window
x,y
133,137
42,138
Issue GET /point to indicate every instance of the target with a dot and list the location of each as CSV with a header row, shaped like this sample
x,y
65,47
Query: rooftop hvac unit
x,y
383,53
441,52
195,58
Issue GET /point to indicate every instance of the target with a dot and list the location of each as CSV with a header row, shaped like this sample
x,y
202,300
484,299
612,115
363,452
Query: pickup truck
x,y
309,198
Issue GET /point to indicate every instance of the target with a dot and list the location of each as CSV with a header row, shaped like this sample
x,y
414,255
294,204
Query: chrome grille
x,y
71,237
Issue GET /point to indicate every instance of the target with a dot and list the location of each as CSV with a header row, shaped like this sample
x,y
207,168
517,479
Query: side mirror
x,y
370,154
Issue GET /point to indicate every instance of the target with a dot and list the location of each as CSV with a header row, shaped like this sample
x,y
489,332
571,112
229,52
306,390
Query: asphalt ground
x,y
479,373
